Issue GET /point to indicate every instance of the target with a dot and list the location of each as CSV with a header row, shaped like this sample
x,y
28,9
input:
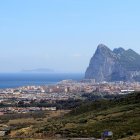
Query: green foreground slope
x,y
121,116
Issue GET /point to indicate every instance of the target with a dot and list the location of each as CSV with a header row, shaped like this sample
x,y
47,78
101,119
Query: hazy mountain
x,y
41,70
116,65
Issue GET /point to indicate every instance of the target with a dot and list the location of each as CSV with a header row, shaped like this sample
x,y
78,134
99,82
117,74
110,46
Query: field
x,y
120,115
25,125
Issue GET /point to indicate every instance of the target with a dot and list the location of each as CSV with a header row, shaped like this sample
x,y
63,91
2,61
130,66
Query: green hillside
x,y
121,116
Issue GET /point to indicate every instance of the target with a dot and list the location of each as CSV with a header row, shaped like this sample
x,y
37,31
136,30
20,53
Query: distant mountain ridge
x,y
116,65
40,70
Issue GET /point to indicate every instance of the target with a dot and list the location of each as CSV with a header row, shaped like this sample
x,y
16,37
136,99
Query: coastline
x,y
15,80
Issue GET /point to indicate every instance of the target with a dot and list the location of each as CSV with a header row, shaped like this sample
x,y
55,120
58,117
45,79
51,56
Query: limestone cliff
x,y
116,65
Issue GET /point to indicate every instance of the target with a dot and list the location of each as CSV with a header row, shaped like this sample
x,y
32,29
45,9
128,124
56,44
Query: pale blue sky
x,y
63,34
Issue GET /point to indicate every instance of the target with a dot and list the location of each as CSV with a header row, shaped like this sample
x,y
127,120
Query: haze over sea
x,y
13,80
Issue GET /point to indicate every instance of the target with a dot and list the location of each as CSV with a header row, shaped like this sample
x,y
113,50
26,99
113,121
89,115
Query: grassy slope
x,y
26,125
122,116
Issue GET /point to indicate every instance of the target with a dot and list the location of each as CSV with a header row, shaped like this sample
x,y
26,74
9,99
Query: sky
x,y
63,34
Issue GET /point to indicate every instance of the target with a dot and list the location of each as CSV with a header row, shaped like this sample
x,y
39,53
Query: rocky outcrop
x,y
116,65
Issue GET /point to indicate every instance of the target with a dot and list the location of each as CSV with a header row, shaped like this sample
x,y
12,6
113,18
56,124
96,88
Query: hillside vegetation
x,y
121,116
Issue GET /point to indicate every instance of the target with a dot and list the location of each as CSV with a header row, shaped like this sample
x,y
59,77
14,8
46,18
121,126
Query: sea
x,y
14,80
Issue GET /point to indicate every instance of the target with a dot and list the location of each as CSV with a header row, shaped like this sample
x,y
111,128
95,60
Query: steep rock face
x,y
116,65
119,51
101,64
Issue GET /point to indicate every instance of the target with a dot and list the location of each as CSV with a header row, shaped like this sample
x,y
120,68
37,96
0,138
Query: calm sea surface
x,y
18,79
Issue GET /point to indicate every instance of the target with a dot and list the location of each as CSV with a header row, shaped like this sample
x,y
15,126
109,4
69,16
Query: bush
x,y
82,121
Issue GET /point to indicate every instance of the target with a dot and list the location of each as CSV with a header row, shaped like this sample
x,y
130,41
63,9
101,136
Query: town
x,y
19,100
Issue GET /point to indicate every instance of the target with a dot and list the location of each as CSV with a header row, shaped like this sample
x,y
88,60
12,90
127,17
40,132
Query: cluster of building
x,y
64,90
11,110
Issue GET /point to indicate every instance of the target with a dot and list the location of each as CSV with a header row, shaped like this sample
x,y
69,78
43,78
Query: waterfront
x,y
14,80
